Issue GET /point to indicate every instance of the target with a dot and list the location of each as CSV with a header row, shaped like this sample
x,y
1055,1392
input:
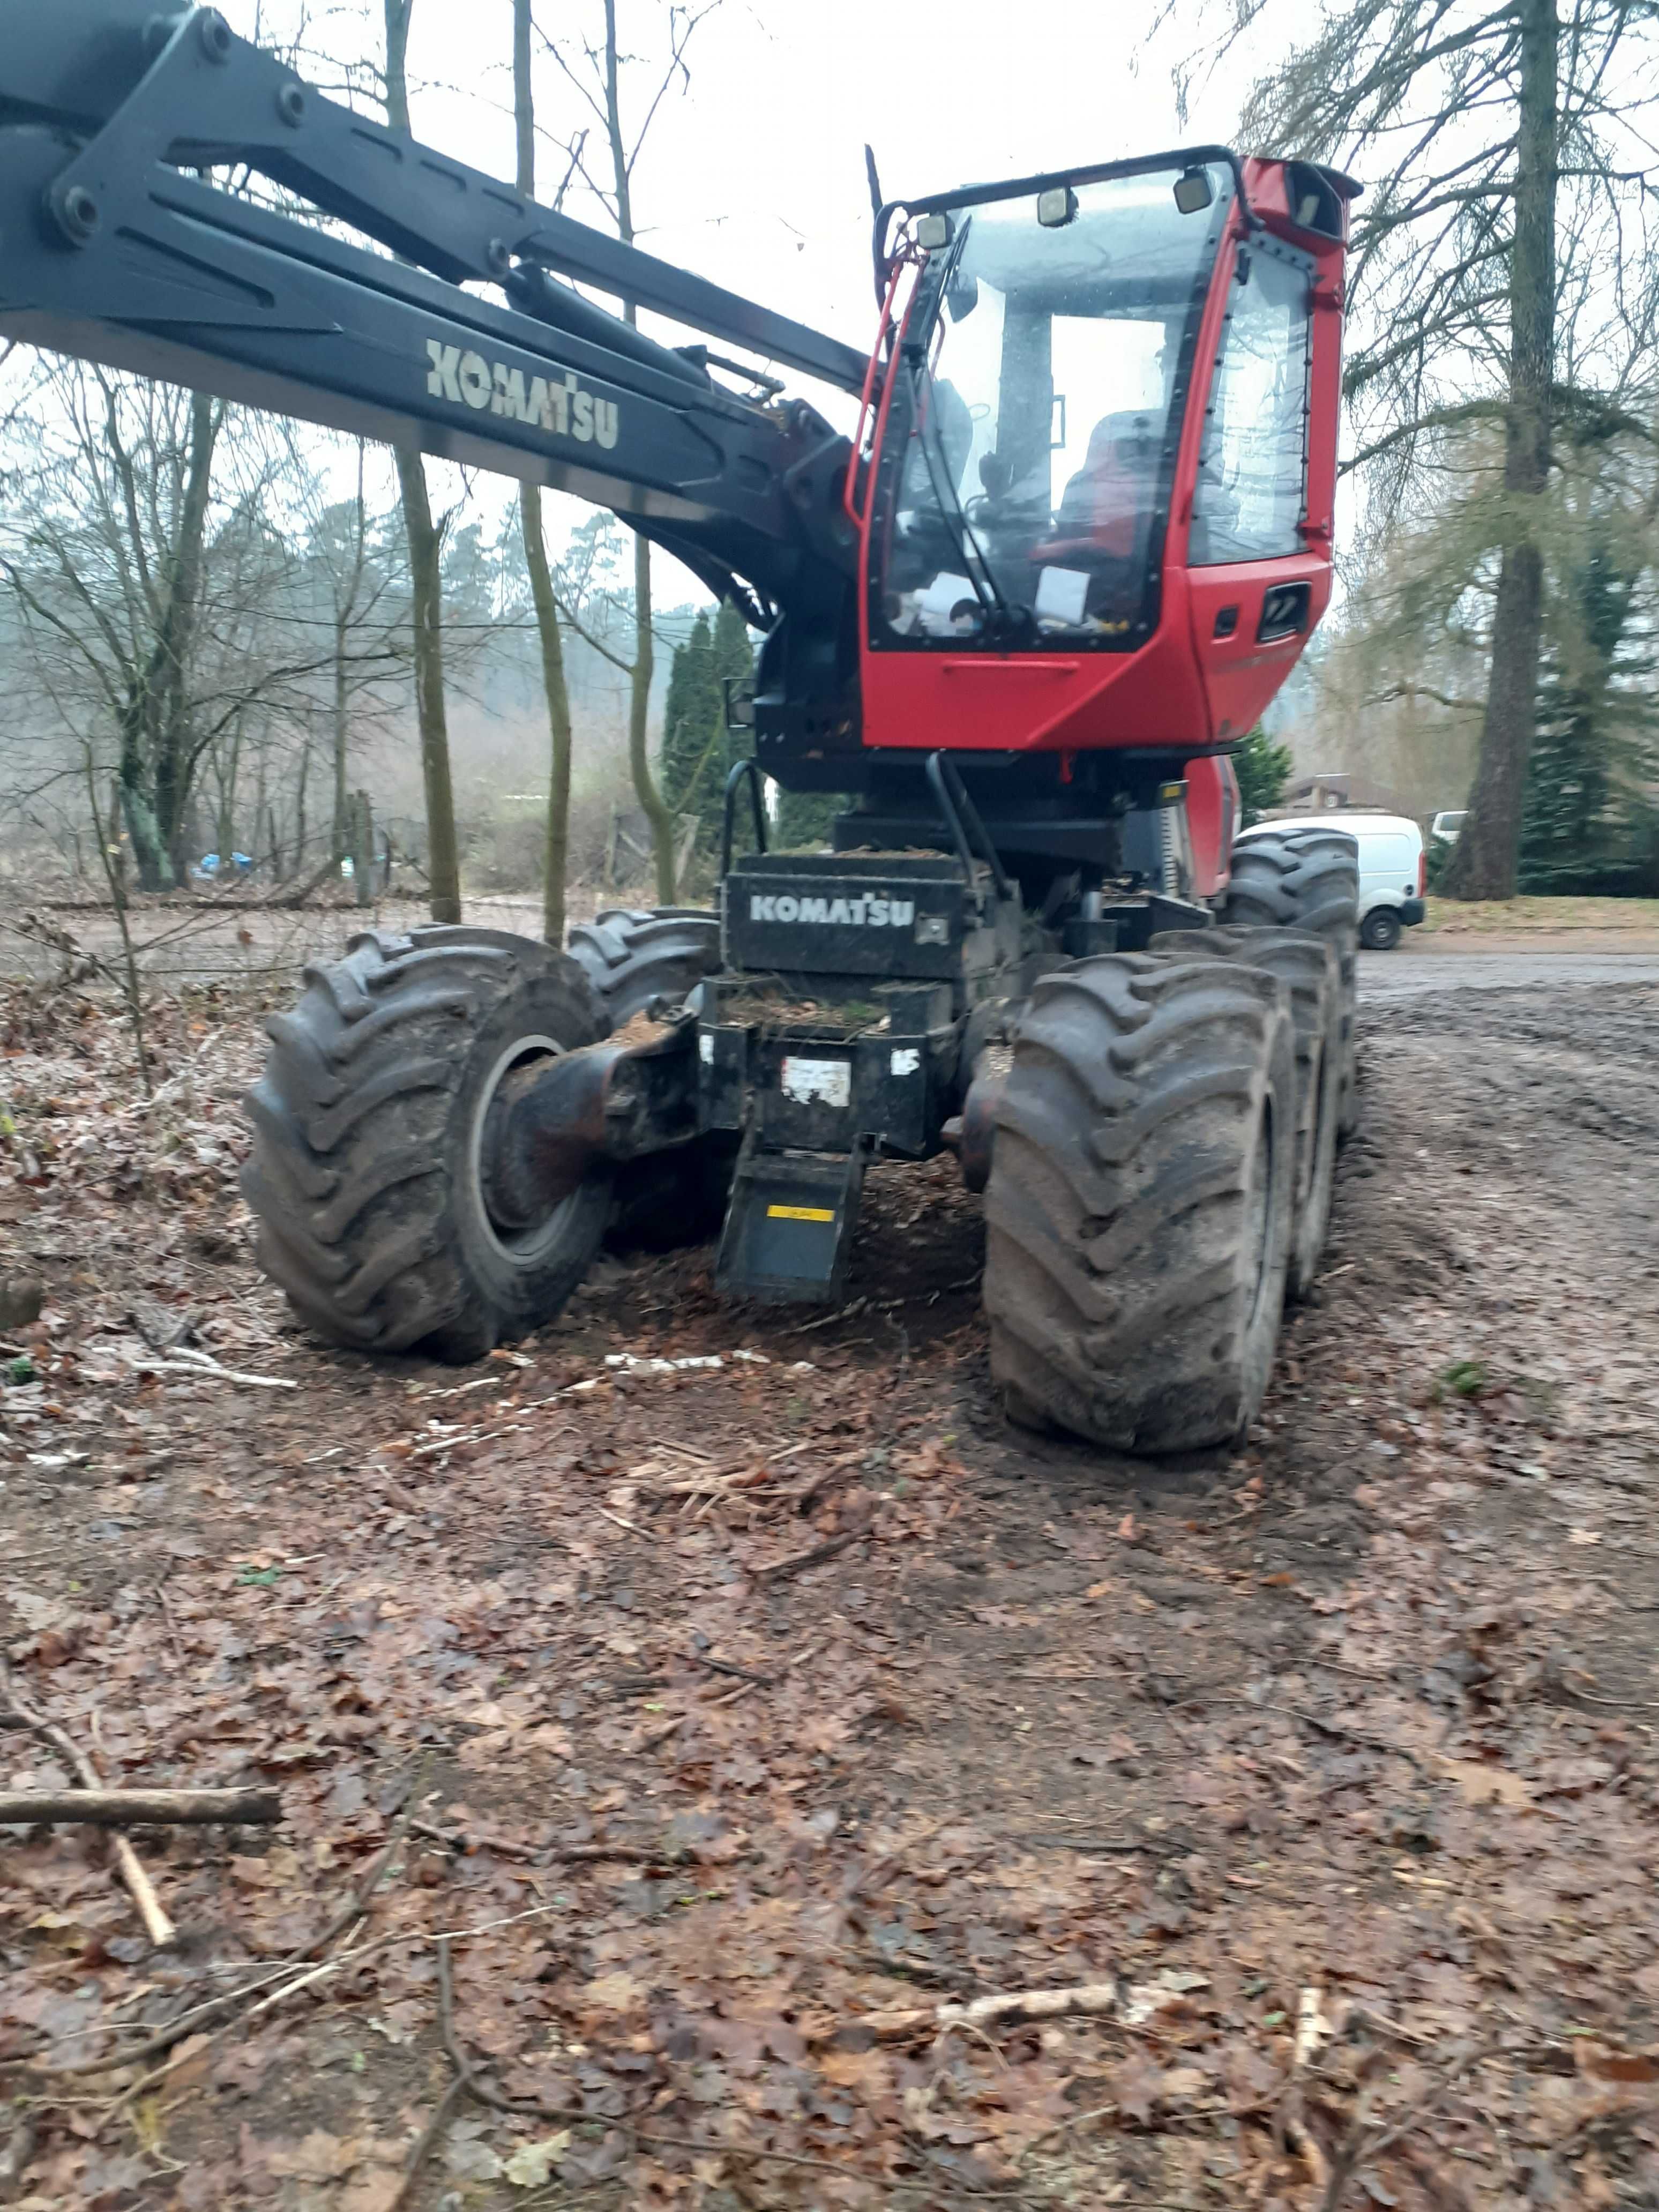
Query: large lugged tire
x,y
632,958
1138,1212
1307,879
367,1172
1308,966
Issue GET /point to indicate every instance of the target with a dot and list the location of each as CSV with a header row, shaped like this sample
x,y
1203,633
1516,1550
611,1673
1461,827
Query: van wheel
x,y
1139,1214
1381,930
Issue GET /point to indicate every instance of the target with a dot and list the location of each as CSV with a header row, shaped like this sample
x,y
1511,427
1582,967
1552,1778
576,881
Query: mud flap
x,y
789,1227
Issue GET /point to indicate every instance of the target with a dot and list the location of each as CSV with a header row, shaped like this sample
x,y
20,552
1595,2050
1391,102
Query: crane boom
x,y
120,243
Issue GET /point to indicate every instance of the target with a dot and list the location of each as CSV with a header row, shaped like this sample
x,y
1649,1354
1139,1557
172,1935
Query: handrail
x,y
962,818
751,769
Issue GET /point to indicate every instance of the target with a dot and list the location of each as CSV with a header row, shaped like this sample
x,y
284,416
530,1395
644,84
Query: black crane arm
x,y
117,246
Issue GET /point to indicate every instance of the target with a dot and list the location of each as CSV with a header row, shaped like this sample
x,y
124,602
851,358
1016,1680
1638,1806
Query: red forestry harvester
x,y
1077,542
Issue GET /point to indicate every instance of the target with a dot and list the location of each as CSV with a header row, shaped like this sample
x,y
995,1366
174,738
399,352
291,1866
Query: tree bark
x,y
118,1808
342,795
155,752
557,850
299,839
426,575
1483,861
651,805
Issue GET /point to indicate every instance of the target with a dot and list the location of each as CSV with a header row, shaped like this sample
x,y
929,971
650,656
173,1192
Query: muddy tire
x,y
367,1174
1308,878
632,958
1139,1214
1307,965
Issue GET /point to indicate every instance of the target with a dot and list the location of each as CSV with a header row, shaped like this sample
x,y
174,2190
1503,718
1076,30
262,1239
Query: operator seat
x,y
1105,507
1105,515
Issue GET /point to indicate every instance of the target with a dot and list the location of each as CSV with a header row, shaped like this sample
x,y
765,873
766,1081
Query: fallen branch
x,y
184,1361
465,2082
730,1666
357,1904
195,2018
1006,2009
798,1562
120,1808
1364,2144
423,2150
159,1929
1312,2030
1321,1724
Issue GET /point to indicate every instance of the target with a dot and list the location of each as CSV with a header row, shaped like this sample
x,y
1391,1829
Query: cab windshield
x,y
1026,470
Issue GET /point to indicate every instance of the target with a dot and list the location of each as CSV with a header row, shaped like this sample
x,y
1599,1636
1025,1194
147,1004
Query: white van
x,y
1392,867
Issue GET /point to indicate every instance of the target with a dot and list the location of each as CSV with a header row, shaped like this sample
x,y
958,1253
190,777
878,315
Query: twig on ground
x,y
429,2136
1312,2030
172,1625
357,1904
468,2077
1092,1847
1072,2120
1362,2145
1006,2009
632,1527
182,1360
798,1563
120,1808
1322,1725
465,2082
159,1929
457,1839
730,1666
197,2017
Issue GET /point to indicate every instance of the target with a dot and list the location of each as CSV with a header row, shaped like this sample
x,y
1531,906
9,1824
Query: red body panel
x,y
1212,821
1185,688
1239,676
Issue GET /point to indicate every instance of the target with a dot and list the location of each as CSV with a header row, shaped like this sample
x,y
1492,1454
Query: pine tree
x,y
1589,823
693,726
698,751
1263,769
804,817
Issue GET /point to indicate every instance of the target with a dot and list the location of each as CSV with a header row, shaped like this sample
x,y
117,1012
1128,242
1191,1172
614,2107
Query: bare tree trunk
x,y
1484,861
341,723
225,812
556,857
299,839
156,765
426,574
109,840
656,813
639,703
129,985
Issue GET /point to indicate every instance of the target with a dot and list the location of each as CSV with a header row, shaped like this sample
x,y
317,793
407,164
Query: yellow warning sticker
x,y
800,1213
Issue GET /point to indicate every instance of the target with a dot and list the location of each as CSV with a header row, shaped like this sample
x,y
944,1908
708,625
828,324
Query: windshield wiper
x,y
1003,621
1000,619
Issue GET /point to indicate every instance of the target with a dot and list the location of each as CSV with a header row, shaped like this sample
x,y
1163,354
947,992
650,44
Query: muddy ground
x,y
725,1722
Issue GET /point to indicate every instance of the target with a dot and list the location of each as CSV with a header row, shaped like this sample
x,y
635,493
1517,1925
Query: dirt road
x,y
774,1702
1436,968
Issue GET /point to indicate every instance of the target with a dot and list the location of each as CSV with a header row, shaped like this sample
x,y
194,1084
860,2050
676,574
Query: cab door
x,y
1258,559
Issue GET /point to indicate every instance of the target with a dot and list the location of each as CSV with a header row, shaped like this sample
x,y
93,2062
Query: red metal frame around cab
x,y
1186,689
